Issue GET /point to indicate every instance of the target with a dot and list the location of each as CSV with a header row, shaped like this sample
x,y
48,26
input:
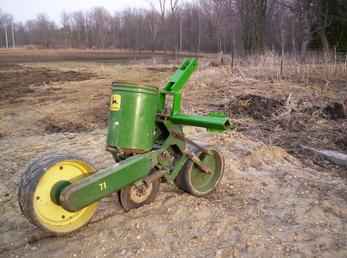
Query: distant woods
x,y
232,26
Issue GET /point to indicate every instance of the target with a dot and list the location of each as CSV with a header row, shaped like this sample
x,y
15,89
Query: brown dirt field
x,y
272,202
13,88
94,55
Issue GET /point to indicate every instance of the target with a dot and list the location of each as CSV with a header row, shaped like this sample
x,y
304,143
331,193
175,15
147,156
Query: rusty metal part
x,y
191,155
197,162
154,176
139,194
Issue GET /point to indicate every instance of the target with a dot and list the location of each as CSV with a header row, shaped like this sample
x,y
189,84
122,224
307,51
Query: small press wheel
x,y
196,182
134,196
37,187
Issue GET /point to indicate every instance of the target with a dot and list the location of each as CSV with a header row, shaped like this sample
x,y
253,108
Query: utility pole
x,y
181,39
6,38
199,33
13,37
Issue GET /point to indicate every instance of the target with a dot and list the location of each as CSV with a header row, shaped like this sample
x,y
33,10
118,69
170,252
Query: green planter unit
x,y
60,192
132,115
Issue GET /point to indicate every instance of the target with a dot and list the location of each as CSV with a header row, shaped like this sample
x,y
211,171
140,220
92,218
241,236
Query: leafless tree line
x,y
232,26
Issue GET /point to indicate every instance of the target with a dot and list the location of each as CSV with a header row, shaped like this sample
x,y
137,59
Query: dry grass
x,y
317,68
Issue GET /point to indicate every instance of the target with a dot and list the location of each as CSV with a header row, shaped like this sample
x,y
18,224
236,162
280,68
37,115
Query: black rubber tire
x,y
29,180
180,181
128,204
183,180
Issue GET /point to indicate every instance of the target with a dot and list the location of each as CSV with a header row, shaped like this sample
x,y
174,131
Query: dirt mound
x,y
291,123
267,155
334,111
257,107
17,81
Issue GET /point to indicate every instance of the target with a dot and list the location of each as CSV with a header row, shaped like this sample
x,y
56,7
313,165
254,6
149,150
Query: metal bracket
x,y
152,177
197,162
183,138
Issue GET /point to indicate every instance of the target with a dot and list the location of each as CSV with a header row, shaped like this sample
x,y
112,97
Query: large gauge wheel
x,y
194,181
134,196
36,198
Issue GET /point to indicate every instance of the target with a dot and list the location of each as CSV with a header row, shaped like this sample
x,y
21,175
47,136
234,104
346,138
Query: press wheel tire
x,y
34,193
192,180
133,196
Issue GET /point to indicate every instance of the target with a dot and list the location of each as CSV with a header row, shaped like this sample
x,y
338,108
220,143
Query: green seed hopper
x,y
59,193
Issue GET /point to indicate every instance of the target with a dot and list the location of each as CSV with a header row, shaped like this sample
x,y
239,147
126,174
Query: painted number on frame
x,y
115,102
103,186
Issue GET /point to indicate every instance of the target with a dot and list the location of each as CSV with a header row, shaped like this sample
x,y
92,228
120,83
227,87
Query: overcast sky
x,y
23,10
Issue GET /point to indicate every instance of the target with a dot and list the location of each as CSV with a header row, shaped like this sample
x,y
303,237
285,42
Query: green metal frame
x,y
175,87
176,84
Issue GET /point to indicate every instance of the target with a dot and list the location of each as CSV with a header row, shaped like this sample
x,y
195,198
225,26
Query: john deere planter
x,y
59,193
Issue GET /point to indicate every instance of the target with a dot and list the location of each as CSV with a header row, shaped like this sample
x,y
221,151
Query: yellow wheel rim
x,y
52,216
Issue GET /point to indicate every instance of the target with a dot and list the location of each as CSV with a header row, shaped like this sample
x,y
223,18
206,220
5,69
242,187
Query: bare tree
x,y
6,20
313,17
174,6
152,20
66,29
6,37
100,20
79,32
231,26
162,6
13,36
253,20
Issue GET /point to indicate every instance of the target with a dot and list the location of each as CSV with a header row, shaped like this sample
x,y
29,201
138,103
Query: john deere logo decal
x,y
115,102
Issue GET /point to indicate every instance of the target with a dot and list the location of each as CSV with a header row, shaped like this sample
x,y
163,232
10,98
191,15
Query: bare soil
x,y
84,55
17,80
274,200
305,124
